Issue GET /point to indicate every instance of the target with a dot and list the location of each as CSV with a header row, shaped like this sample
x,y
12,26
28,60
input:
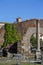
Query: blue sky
x,y
26,9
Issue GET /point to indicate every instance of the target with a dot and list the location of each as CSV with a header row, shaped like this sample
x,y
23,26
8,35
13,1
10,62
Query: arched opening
x,y
33,41
13,48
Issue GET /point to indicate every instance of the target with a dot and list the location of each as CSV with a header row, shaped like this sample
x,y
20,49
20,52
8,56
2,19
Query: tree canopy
x,y
33,41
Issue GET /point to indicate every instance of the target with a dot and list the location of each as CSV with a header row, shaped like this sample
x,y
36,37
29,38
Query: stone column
x,y
38,34
38,51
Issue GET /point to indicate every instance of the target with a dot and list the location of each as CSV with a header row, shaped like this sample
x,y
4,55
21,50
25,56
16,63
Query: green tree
x,y
33,41
41,42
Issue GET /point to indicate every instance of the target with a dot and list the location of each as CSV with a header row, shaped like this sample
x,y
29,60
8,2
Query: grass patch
x,y
20,64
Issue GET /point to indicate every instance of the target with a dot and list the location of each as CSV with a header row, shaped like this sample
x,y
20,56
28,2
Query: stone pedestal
x,y
38,55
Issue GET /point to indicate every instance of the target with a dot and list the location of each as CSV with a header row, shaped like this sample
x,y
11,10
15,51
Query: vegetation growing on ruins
x,y
11,35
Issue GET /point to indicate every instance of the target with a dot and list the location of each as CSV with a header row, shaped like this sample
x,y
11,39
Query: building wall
x,y
23,28
2,32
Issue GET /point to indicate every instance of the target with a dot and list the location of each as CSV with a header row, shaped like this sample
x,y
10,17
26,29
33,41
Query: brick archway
x,y
26,38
